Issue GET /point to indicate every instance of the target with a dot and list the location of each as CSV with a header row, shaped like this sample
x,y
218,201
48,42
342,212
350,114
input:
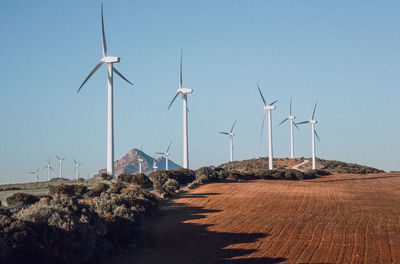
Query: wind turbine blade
x,y
180,73
316,134
233,126
273,102
304,122
225,133
75,162
290,109
296,125
120,75
45,167
90,74
262,125
313,113
58,157
262,97
51,169
173,100
169,147
283,121
160,153
103,34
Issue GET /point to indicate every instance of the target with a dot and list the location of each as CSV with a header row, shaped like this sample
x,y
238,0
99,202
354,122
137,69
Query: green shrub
x,y
68,189
106,176
21,199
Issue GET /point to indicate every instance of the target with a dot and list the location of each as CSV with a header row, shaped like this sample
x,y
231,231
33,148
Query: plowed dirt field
x,y
336,219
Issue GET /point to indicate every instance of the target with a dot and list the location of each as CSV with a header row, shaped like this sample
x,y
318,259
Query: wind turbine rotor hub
x,y
110,59
291,117
313,121
185,90
269,107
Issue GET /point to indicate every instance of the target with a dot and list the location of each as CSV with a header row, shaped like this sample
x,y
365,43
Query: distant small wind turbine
x,y
268,108
313,134
166,154
48,166
60,161
77,164
184,92
110,130
36,172
291,118
140,159
230,134
154,163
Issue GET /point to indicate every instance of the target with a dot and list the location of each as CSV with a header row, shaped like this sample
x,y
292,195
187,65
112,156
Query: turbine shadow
x,y
174,238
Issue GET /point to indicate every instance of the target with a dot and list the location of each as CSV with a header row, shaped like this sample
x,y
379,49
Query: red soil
x,y
336,219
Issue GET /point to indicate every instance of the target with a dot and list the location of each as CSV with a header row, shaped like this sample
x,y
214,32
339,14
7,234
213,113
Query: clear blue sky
x,y
345,53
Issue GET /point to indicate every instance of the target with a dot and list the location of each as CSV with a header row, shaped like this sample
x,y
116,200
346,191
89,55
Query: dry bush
x,y
140,179
21,199
68,189
98,189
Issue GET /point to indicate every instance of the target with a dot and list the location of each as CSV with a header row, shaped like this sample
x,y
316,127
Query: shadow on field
x,y
174,240
358,179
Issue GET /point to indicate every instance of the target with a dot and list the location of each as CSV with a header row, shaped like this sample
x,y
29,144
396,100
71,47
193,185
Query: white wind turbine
x,y
110,130
60,161
140,159
268,108
154,163
36,172
77,164
48,166
184,92
166,154
313,134
290,118
230,134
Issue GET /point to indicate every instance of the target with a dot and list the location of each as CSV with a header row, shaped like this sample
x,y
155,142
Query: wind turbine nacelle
x,y
270,107
109,59
313,121
185,90
291,117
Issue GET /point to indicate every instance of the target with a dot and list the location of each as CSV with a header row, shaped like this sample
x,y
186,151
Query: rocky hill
x,y
130,164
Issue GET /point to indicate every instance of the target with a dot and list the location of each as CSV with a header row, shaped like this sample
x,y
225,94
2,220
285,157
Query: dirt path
x,y
336,219
297,167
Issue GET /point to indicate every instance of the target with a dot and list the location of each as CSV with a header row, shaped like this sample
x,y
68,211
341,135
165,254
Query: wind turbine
x,y
166,154
48,166
140,159
268,108
77,169
36,172
110,130
291,118
154,163
184,92
230,134
313,134
60,160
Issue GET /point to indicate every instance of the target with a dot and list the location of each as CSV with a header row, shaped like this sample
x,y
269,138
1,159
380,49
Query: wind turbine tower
x,y
48,166
290,118
60,161
268,108
77,164
110,116
140,159
184,92
154,163
230,134
166,154
313,134
36,172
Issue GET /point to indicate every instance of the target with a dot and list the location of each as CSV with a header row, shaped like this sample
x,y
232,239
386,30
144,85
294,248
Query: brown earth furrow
x,y
334,219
